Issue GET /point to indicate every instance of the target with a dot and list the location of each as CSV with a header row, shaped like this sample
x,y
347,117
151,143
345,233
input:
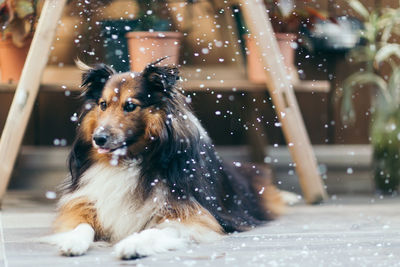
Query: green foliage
x,y
379,51
381,27
149,16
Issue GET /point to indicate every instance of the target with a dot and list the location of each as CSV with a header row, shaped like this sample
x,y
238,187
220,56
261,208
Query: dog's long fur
x,y
158,175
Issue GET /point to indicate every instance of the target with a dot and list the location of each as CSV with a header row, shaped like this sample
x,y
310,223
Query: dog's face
x,y
125,110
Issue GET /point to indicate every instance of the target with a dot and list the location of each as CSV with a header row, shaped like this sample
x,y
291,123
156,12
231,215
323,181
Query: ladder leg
x,y
284,99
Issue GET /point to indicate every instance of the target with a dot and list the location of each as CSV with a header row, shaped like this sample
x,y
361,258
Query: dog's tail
x,y
273,200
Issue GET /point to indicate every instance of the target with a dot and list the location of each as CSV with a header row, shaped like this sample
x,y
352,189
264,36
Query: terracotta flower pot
x,y
255,71
146,47
12,60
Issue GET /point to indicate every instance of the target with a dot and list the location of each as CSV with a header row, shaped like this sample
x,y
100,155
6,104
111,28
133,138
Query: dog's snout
x,y
100,139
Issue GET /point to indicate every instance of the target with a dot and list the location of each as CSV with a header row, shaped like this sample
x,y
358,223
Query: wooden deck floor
x,y
346,231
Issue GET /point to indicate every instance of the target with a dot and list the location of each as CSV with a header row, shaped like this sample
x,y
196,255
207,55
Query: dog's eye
x,y
103,105
129,106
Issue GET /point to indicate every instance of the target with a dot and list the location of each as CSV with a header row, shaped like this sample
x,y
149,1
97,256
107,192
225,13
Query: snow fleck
x,y
114,161
205,51
218,43
51,195
237,164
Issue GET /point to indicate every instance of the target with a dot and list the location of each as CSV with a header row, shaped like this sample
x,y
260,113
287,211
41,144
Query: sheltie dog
x,y
144,174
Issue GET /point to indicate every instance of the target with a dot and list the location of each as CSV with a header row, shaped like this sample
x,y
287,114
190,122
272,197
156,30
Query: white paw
x,y
73,245
289,197
148,242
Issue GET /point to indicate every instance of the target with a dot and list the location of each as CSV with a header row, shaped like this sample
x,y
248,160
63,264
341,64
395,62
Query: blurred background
x,y
340,55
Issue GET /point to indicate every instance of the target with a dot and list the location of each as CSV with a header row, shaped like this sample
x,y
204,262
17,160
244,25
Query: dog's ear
x,y
160,78
94,78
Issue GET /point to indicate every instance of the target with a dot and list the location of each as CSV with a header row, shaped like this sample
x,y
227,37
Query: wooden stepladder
x,y
278,85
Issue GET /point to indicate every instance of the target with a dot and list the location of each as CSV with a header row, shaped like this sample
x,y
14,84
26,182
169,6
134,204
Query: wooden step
x,y
218,78
345,168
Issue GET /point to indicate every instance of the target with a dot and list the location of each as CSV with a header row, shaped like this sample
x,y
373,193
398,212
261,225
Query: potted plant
x,y
152,39
380,56
17,20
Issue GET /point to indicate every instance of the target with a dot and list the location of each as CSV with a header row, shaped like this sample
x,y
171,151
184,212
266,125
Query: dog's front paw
x,y
127,248
72,245
148,242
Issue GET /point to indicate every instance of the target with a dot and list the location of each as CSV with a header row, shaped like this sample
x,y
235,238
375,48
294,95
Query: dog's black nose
x,y
100,139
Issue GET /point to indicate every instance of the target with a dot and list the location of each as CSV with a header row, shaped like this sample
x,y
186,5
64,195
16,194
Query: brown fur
x,y
272,201
118,90
192,215
75,212
260,179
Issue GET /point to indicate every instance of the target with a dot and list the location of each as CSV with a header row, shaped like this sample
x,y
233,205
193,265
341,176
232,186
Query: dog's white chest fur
x,y
111,189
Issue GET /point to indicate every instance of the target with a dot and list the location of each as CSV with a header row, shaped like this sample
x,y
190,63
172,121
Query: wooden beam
x,y
216,78
27,89
281,91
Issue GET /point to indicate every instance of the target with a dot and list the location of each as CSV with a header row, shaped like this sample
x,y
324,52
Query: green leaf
x,y
394,84
360,78
359,8
386,51
362,54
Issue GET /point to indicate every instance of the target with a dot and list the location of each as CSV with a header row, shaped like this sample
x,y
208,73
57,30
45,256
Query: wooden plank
x,y
281,91
194,79
27,89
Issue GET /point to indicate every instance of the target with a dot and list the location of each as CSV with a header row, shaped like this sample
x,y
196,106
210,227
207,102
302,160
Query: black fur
x,y
157,84
78,161
190,167
94,81
182,157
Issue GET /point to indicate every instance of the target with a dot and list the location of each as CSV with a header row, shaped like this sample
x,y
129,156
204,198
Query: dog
x,y
144,174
